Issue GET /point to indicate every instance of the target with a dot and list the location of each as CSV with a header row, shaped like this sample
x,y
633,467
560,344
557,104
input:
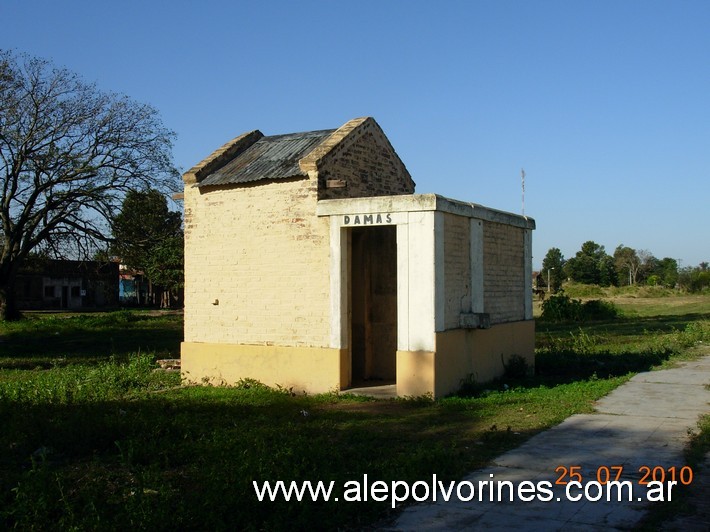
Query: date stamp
x,y
613,473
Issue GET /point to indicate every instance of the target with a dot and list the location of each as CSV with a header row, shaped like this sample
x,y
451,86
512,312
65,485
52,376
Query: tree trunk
x,y
8,304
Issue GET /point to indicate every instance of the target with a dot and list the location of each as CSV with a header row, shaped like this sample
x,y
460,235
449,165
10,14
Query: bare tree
x,y
627,262
68,154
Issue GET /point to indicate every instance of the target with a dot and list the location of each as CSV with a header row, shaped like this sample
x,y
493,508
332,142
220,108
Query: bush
x,y
596,309
561,307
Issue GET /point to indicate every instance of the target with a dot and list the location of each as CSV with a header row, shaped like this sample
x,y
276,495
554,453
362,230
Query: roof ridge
x,y
314,133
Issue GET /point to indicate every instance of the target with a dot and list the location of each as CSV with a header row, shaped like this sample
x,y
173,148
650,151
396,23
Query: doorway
x,y
373,305
65,297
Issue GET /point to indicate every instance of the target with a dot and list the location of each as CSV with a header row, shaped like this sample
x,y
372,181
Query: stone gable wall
x,y
361,158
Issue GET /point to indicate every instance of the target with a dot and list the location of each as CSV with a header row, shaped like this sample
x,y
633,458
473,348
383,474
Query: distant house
x,y
135,289
45,284
310,263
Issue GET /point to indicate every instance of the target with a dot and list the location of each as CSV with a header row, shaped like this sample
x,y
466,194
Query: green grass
x,y
94,442
47,340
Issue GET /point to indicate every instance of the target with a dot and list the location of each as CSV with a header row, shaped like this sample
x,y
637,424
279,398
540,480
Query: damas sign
x,y
368,219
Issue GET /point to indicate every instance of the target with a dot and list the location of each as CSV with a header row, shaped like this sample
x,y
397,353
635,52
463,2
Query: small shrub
x,y
580,343
561,307
248,383
694,333
516,367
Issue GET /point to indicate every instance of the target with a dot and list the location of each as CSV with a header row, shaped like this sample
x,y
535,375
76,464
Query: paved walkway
x,y
645,422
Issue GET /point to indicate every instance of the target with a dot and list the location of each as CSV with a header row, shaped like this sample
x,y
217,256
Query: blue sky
x,y
605,104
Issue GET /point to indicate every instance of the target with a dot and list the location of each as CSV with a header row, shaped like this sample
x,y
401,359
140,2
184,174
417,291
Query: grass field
x,y
93,438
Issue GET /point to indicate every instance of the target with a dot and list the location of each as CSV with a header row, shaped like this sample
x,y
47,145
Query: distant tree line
x,y
626,267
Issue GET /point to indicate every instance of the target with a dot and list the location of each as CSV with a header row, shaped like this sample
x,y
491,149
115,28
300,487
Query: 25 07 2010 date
x,y
606,474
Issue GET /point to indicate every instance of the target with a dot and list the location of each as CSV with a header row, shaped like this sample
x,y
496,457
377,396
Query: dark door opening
x,y
65,297
373,302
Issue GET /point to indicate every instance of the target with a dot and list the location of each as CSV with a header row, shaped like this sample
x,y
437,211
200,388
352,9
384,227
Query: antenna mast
x,y
522,181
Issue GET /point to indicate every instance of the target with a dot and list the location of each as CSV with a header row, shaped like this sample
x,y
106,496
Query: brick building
x,y
310,263
46,284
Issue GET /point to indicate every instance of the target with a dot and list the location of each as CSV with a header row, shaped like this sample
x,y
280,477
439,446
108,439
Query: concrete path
x,y
644,423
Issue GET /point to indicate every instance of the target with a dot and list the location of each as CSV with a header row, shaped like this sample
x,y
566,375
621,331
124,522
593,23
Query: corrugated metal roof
x,y
273,157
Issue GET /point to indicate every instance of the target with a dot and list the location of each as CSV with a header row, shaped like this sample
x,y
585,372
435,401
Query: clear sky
x,y
605,103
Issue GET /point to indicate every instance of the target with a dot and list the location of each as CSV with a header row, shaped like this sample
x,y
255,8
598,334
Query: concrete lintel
x,y
475,210
376,204
420,202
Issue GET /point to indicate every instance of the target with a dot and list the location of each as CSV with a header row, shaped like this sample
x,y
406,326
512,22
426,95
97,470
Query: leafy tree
x,y
166,267
591,265
695,279
148,238
607,271
143,223
68,154
553,268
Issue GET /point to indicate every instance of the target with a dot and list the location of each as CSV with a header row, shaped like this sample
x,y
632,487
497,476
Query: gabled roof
x,y
354,160
272,157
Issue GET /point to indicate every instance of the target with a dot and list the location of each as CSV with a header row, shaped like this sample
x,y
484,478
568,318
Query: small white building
x,y
310,263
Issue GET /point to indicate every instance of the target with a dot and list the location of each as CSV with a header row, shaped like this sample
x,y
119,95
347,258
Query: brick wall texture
x,y
457,269
504,272
360,154
503,276
264,255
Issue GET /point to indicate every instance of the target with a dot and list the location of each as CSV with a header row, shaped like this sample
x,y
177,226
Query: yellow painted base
x,y
461,354
310,369
415,373
478,354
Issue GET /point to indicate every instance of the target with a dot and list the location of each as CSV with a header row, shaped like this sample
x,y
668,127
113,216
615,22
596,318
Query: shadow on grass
x,y
624,326
554,368
569,366
48,340
187,461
